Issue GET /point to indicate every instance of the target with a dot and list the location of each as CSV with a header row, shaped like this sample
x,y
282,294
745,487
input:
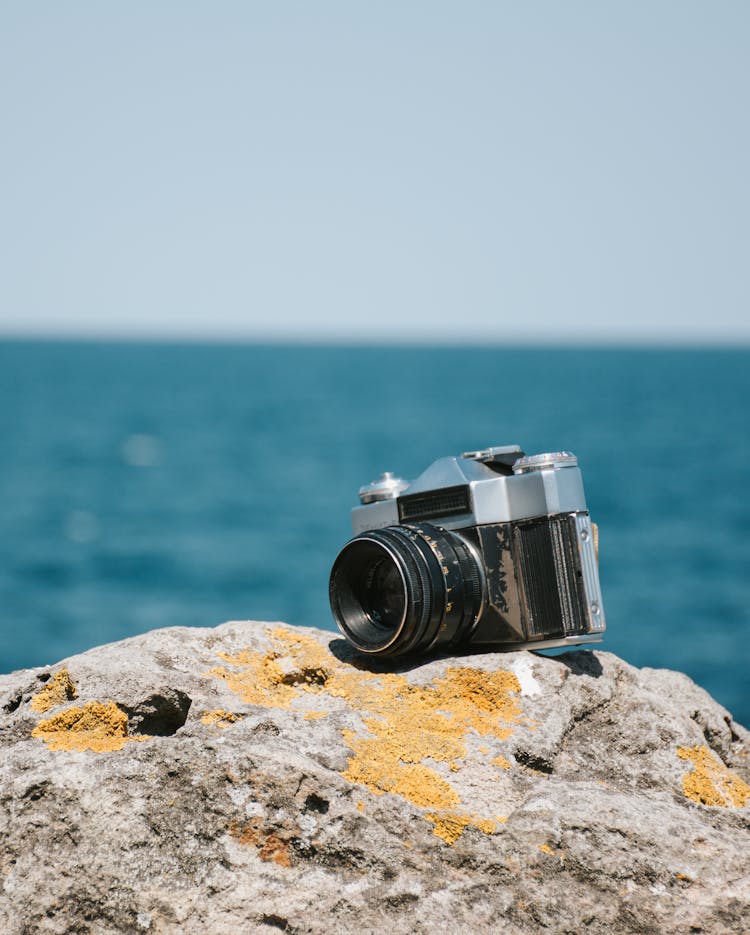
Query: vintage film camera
x,y
490,549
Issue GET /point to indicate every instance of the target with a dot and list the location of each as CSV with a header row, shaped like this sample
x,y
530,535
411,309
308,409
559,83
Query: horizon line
x,y
554,342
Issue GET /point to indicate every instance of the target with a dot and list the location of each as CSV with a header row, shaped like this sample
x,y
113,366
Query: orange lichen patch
x,y
315,715
220,718
408,727
98,727
57,691
546,849
711,783
361,806
451,825
487,695
260,679
413,723
501,762
377,765
271,846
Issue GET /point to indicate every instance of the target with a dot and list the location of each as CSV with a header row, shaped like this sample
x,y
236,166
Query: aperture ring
x,y
415,551
446,551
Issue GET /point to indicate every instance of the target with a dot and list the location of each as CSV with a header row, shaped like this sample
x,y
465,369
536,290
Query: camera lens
x,y
405,589
371,592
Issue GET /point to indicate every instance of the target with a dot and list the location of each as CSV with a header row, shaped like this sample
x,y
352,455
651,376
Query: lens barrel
x,y
406,589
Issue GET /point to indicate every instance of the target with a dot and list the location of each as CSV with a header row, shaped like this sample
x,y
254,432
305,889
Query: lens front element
x,y
383,599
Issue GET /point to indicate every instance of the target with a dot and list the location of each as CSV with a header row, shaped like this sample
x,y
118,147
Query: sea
x,y
149,485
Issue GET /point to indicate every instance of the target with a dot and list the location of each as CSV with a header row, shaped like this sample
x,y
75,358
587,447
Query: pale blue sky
x,y
426,171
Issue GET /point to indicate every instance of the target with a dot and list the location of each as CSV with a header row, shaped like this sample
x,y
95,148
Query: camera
x,y
491,549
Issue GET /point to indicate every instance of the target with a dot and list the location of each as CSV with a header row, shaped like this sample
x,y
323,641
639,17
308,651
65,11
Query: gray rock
x,y
154,785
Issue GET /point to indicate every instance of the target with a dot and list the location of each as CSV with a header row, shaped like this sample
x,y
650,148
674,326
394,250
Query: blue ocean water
x,y
152,485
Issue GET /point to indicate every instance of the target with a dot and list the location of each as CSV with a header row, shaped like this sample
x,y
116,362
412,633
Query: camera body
x,y
492,548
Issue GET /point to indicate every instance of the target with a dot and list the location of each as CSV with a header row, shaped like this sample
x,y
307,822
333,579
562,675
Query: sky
x,y
397,171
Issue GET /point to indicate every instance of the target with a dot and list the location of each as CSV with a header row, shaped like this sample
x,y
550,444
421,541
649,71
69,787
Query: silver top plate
x,y
546,490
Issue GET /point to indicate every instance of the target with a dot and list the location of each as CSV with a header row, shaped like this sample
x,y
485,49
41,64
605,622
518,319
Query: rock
x,y
257,777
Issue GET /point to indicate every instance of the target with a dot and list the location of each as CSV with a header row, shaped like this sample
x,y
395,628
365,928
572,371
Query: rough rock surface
x,y
256,777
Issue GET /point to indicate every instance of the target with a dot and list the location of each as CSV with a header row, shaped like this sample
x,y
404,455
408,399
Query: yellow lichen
x,y
57,691
98,727
220,718
315,715
377,765
451,825
549,849
711,783
501,762
259,679
406,724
